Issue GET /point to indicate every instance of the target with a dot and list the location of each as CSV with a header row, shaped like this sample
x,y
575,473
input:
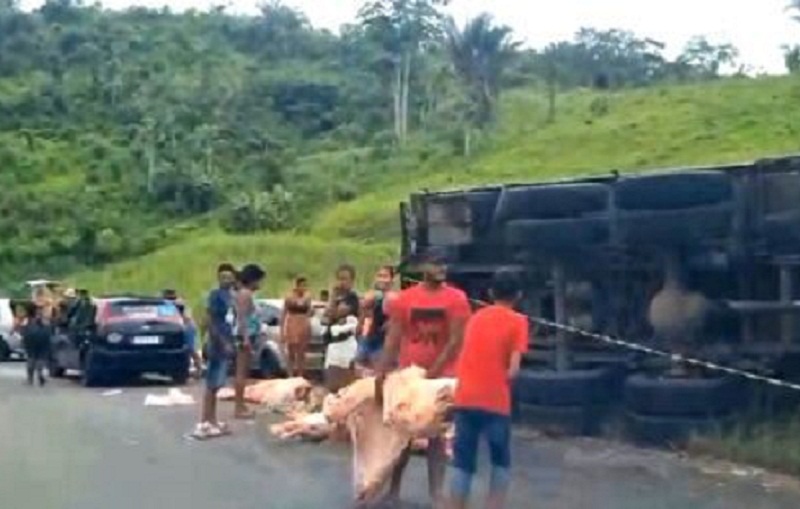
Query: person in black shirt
x,y
36,337
343,303
342,292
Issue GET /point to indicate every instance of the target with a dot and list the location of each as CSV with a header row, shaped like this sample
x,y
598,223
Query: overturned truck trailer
x,y
699,261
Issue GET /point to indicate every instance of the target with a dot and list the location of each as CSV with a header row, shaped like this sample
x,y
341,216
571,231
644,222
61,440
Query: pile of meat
x,y
276,395
414,409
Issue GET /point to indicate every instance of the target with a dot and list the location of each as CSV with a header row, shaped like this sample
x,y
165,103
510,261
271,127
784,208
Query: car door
x,y
270,315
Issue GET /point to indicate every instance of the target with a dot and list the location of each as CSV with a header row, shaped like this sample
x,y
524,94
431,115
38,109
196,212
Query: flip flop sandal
x,y
206,432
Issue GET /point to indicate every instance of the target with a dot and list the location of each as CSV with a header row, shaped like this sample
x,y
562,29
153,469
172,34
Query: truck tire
x,y
557,233
682,397
664,431
556,201
563,420
589,387
673,190
670,227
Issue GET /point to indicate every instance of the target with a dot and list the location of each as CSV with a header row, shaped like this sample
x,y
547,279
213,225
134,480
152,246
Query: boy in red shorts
x,y
494,341
426,326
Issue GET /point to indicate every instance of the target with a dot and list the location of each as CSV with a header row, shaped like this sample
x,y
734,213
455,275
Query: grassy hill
x,y
189,265
711,123
719,122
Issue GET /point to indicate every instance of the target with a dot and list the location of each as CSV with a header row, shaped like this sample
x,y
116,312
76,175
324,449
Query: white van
x,y
10,341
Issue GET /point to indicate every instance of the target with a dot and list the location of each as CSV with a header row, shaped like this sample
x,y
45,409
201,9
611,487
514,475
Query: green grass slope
x,y
719,122
189,265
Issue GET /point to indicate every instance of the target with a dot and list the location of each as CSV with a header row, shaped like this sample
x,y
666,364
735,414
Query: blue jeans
x,y
470,426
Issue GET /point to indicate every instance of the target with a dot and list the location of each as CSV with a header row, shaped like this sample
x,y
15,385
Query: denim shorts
x,y
369,349
217,360
216,372
470,425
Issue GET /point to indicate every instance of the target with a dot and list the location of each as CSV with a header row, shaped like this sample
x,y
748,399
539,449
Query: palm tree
x,y
480,53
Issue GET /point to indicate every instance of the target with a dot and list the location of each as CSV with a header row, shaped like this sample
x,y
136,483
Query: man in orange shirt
x,y
426,326
494,341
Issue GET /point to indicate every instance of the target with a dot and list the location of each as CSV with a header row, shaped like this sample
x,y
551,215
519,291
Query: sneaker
x,y
223,428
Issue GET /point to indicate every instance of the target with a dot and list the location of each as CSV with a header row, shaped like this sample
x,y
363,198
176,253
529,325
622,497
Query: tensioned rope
x,y
638,347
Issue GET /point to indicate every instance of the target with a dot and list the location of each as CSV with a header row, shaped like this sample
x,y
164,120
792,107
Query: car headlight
x,y
114,337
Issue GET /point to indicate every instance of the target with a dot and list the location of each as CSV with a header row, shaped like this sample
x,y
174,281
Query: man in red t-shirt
x,y
426,326
495,339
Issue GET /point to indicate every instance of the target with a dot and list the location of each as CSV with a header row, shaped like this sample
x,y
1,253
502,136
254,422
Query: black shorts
x,y
471,425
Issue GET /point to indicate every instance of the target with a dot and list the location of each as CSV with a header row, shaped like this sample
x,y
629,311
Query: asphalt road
x,y
65,447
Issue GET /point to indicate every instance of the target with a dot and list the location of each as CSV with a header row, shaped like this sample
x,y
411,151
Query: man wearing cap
x,y
426,326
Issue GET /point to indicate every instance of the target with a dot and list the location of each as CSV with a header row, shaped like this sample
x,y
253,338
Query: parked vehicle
x,y
701,261
269,356
10,340
128,337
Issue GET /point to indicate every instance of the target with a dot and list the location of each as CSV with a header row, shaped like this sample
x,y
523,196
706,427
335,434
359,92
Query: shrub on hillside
x,y
265,211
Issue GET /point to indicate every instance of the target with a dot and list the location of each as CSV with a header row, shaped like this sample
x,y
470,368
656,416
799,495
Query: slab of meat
x,y
417,405
308,427
276,394
338,407
414,408
376,450
311,405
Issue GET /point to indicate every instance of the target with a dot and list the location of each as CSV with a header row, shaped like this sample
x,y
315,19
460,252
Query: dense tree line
x,y
118,127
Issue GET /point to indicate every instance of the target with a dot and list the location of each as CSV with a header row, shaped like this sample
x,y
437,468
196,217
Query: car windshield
x,y
142,310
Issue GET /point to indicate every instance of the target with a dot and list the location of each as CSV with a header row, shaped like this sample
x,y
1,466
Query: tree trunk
x,y
406,81
551,99
151,160
467,141
151,167
397,93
